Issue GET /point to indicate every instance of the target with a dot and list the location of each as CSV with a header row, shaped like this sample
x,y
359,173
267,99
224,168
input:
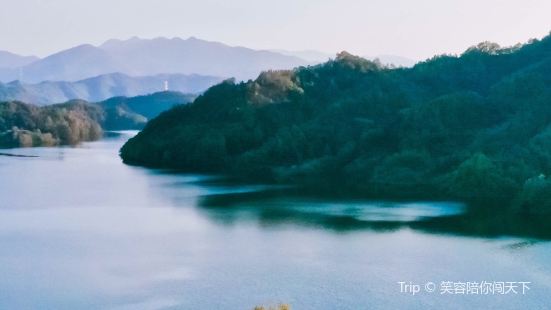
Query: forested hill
x,y
123,113
25,125
474,127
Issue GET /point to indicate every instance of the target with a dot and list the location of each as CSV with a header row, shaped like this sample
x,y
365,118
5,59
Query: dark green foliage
x,y
122,113
535,197
474,127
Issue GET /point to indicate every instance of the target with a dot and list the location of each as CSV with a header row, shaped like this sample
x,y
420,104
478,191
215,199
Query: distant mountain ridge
x,y
309,55
144,57
11,60
103,87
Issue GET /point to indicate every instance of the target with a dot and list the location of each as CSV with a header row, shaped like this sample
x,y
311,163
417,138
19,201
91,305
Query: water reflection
x,y
229,204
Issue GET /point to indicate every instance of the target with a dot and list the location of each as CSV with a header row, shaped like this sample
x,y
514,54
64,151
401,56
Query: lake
x,y
81,230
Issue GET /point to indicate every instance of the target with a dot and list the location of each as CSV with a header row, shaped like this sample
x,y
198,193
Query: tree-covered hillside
x,y
133,112
69,123
27,125
474,127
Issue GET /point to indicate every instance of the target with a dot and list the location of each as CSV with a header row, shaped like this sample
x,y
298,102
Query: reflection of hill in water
x,y
229,203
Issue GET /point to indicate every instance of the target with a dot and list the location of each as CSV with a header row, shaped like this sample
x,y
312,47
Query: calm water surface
x,y
81,230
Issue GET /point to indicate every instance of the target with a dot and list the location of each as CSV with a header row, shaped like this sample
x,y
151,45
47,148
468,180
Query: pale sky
x,y
412,28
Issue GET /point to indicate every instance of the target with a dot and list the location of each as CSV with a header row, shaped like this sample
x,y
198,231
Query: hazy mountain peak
x,y
309,55
78,51
15,83
110,42
11,60
81,47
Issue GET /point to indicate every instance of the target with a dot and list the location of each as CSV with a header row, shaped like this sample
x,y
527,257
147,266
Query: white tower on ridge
x,y
166,85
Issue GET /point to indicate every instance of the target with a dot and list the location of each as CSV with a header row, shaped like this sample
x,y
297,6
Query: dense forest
x,y
26,125
474,127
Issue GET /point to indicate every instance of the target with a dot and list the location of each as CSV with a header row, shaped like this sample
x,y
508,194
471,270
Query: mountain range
x,y
11,60
102,87
145,57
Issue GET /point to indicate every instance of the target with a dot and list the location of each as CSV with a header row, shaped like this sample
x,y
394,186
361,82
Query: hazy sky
x,y
412,28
